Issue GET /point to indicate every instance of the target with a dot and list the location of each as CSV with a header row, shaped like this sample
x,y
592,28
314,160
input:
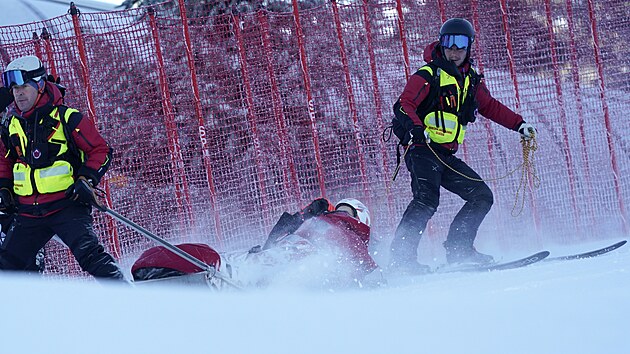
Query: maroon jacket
x,y
415,92
340,230
85,137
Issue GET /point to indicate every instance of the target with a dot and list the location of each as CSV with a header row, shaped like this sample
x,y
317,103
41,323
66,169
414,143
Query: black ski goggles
x,y
20,77
460,41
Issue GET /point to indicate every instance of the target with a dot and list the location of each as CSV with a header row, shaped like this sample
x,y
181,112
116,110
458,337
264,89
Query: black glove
x,y
417,135
52,79
6,98
317,207
255,249
287,224
82,191
7,202
57,83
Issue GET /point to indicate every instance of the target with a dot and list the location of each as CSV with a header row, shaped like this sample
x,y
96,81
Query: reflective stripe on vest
x,y
54,171
54,178
443,126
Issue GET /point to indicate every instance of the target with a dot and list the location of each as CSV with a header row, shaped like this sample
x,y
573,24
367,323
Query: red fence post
x,y
309,96
563,114
351,102
91,114
510,53
182,195
602,87
85,72
277,109
578,103
486,122
403,38
37,44
442,10
479,61
378,104
200,122
52,68
251,118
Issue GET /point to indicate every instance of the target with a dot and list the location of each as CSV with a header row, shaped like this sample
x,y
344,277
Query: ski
x,y
589,254
522,262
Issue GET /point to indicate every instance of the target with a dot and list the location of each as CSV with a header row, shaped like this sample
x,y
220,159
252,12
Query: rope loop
x,y
528,172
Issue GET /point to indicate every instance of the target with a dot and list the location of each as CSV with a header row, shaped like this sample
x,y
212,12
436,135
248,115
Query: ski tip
x,y
618,244
590,254
537,257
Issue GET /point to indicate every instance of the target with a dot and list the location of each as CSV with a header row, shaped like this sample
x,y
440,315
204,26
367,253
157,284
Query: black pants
x,y
37,263
427,175
73,225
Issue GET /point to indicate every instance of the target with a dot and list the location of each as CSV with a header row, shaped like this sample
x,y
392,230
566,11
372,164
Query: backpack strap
x,y
401,123
468,111
75,156
4,132
431,73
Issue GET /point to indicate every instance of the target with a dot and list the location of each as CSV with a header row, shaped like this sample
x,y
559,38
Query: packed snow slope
x,y
572,307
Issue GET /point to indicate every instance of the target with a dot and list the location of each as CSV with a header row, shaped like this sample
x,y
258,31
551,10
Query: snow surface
x,y
557,307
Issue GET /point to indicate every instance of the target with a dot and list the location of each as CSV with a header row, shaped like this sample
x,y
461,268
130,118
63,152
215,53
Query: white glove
x,y
527,130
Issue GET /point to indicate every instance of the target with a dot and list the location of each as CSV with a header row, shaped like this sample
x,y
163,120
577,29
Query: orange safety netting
x,y
221,120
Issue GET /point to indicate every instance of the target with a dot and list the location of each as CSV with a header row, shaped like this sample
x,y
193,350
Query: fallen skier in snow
x,y
323,245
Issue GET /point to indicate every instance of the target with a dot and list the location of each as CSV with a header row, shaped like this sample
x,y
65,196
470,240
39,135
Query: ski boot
x,y
408,268
470,255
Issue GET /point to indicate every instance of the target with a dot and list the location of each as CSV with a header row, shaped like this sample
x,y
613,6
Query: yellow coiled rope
x,y
528,172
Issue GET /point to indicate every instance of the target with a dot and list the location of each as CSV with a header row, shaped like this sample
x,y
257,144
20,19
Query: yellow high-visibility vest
x,y
444,127
55,177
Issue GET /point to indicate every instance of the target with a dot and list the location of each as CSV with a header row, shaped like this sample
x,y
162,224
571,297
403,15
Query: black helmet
x,y
458,26
457,32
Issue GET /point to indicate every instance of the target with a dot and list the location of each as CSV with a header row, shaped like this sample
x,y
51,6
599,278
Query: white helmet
x,y
361,212
23,69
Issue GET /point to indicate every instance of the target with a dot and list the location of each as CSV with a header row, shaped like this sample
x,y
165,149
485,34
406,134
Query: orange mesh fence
x,y
223,119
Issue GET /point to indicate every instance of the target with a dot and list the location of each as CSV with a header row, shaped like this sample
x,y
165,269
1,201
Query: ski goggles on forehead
x,y
13,77
460,41
353,211
19,77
